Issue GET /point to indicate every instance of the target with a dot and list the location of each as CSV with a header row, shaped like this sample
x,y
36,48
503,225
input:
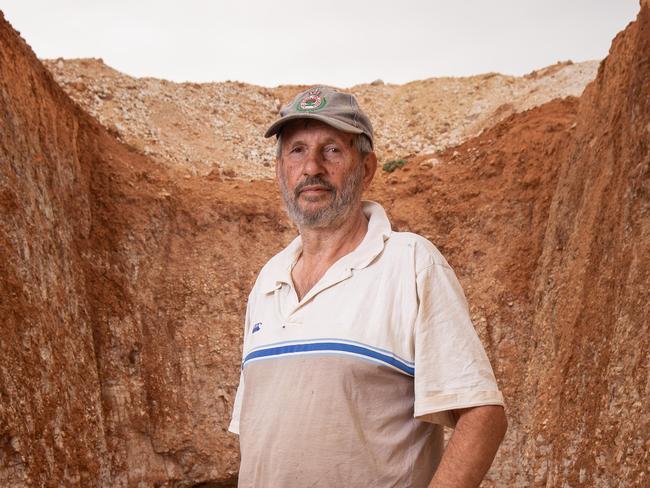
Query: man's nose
x,y
313,164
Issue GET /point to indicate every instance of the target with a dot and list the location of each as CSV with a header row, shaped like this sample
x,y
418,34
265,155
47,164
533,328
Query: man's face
x,y
321,174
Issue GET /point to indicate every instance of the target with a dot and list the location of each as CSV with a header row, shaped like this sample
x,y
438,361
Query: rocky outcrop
x,y
123,284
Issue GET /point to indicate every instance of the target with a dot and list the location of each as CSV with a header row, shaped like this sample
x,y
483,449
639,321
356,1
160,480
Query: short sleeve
x,y
236,409
452,369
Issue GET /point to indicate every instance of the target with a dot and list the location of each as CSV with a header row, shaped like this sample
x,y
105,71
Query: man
x,y
358,347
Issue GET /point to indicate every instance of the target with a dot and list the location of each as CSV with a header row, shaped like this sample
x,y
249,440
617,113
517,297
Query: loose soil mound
x,y
203,127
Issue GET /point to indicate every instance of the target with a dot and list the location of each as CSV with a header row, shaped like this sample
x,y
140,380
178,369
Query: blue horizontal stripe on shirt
x,y
338,341
329,346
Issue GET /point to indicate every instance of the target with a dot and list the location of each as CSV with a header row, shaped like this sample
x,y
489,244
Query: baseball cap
x,y
340,110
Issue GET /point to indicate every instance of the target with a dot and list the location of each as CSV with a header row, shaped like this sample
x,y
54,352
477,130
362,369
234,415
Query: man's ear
x,y
370,166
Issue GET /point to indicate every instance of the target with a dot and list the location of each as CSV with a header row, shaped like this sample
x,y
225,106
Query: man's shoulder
x,y
274,262
425,253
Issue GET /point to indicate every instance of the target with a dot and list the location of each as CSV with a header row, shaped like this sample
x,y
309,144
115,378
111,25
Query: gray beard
x,y
342,204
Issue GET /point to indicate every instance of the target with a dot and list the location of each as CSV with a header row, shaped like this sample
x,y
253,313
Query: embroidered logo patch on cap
x,y
312,101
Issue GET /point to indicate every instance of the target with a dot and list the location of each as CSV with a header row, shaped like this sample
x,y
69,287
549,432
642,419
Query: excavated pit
x,y
124,282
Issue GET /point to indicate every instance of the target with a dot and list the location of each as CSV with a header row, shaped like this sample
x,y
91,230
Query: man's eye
x,y
296,150
333,149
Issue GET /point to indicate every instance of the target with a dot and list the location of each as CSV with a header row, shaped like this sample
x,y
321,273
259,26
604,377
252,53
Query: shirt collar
x,y
279,267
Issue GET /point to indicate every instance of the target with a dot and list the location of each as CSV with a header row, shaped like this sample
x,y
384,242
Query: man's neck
x,y
327,245
322,247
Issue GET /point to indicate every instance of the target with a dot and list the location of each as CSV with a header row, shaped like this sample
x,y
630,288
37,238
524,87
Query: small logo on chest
x,y
257,327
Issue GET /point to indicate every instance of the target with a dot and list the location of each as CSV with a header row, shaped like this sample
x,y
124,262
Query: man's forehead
x,y
301,128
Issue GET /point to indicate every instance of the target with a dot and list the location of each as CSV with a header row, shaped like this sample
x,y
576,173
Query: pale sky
x,y
335,42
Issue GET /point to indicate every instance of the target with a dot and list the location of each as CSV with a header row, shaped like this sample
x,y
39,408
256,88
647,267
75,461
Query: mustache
x,y
313,180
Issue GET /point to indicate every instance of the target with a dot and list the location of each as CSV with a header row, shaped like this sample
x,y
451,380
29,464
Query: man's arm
x,y
472,447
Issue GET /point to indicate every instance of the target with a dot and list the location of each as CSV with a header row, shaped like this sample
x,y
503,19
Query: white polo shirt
x,y
351,385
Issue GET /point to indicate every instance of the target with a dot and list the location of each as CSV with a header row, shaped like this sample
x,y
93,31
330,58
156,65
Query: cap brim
x,y
337,124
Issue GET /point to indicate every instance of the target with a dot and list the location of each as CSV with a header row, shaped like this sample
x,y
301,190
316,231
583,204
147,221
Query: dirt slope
x,y
122,295
51,420
124,277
